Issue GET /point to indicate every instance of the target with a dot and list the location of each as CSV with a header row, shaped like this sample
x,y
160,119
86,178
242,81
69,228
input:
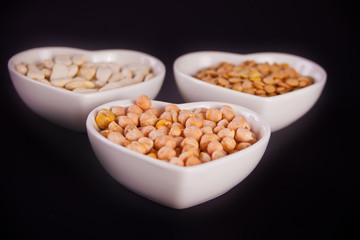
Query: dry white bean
x,y
59,71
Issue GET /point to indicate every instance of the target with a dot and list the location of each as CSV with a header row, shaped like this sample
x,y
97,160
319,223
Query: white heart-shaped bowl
x,y
279,111
70,109
172,185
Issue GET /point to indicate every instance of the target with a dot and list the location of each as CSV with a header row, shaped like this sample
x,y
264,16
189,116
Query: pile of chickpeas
x,y
179,136
261,79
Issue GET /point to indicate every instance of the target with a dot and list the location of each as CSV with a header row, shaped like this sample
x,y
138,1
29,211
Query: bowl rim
x,y
162,164
318,82
11,68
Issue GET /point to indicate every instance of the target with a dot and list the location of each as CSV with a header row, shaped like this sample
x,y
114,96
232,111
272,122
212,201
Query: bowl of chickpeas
x,y
280,87
178,155
64,84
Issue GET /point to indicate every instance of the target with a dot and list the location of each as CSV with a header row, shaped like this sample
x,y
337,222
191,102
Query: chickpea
x,y
104,118
175,131
147,129
137,147
143,102
190,141
118,111
166,116
154,111
218,154
204,157
191,148
206,139
223,122
134,109
226,132
184,115
132,134
148,119
213,146
213,114
123,121
193,131
200,110
178,140
153,155
166,153
242,145
165,140
172,107
114,127
147,142
209,123
239,122
206,130
179,125
228,143
227,113
176,161
194,121
134,118
244,135
155,134
192,161
117,138
201,116
218,129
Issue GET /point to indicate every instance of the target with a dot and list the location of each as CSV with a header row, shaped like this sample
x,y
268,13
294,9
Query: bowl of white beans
x,y
177,155
64,84
280,87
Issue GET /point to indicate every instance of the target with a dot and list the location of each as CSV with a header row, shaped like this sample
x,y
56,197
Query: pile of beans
x,y
261,79
179,136
76,74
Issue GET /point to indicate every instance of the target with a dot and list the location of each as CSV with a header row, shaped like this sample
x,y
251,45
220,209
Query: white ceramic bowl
x,y
70,109
171,185
279,111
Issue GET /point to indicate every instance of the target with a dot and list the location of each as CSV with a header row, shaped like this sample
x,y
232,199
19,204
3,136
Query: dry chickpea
x,y
190,141
238,122
244,135
148,118
117,137
209,123
172,107
134,118
104,118
165,140
166,153
213,146
175,131
227,112
242,145
123,121
114,127
192,161
147,129
226,132
154,111
178,140
184,115
191,148
132,133
118,111
137,147
218,154
193,131
155,134
228,143
144,102
206,130
147,142
206,139
194,121
176,161
204,157
213,115
166,116
134,109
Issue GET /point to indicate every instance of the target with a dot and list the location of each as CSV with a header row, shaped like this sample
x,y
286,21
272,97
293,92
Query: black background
x,y
305,187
